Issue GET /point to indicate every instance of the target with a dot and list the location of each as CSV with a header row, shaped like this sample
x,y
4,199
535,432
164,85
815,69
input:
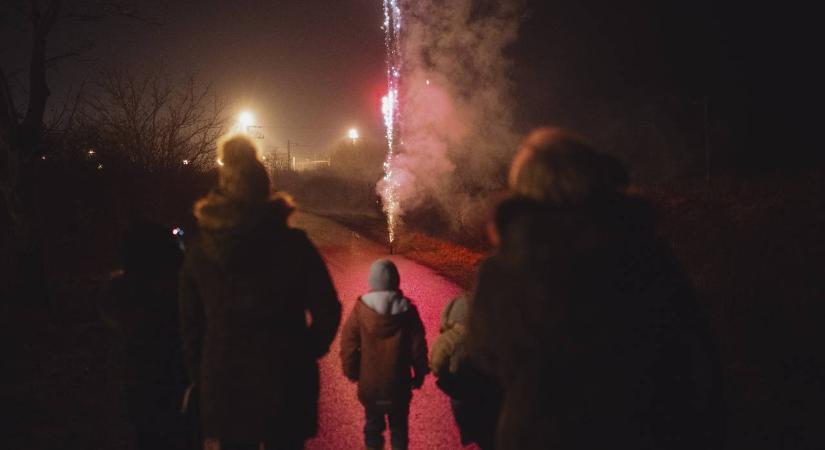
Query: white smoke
x,y
456,110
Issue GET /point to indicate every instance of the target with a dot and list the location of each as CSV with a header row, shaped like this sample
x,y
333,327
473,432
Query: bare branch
x,y
68,111
101,10
75,53
154,121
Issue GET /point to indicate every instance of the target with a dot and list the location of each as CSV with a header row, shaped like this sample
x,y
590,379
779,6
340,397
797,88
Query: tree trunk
x,y
24,267
24,278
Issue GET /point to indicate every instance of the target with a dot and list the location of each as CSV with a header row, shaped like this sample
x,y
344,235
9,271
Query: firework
x,y
389,108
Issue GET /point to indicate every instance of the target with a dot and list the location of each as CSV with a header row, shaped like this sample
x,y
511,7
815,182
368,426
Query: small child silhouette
x,y
383,348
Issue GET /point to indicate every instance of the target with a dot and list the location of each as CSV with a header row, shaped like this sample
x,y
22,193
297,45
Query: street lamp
x,y
245,120
353,135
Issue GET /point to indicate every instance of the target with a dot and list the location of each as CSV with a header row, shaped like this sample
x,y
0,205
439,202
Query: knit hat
x,y
384,276
241,175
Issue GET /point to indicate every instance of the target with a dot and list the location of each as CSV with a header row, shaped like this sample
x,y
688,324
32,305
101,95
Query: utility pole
x,y
707,140
274,166
289,155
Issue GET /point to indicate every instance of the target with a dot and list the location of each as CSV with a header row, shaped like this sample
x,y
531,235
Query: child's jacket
x,y
449,350
383,348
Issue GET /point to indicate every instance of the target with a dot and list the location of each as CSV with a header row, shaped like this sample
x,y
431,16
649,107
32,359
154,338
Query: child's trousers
x,y
397,415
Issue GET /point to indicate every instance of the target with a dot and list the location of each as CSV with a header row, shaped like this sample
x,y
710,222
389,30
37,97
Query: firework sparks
x,y
389,108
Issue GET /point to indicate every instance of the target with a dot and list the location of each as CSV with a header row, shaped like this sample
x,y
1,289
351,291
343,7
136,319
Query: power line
x,y
287,127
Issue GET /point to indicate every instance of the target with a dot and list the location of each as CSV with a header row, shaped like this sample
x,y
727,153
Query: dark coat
x,y
144,312
386,354
592,329
258,309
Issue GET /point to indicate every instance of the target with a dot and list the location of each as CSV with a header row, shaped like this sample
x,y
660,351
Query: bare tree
x,y
20,138
154,122
22,133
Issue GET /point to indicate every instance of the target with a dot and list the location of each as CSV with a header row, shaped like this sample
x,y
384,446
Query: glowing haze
x,y
448,109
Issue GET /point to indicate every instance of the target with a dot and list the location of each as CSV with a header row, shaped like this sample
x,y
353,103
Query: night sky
x,y
316,67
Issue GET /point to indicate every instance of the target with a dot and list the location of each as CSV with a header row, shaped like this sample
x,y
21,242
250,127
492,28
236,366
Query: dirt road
x,y
348,256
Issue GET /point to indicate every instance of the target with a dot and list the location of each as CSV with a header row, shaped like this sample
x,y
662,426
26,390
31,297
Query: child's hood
x,y
384,312
454,313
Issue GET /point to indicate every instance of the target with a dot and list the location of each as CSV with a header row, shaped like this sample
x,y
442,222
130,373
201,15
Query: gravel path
x,y
348,256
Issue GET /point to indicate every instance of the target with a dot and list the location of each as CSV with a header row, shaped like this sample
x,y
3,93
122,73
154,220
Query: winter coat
x,y
593,331
248,284
144,313
449,350
475,397
380,349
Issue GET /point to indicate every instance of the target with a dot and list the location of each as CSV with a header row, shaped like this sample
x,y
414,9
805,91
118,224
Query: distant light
x,y
43,157
428,82
91,152
353,134
185,162
100,167
178,231
246,119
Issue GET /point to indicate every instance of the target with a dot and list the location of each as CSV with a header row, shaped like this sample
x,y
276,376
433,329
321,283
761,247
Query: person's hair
x,y
241,174
554,166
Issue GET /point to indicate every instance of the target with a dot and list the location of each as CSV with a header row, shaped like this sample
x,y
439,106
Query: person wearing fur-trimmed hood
x,y
384,349
248,284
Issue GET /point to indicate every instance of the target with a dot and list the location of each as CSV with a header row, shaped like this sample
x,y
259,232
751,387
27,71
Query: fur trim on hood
x,y
230,230
218,212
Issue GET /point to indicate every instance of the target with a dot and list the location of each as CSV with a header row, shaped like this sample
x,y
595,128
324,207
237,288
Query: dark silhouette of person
x,y
585,317
141,304
258,309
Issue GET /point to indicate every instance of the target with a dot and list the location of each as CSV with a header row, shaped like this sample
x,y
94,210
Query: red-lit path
x,y
348,257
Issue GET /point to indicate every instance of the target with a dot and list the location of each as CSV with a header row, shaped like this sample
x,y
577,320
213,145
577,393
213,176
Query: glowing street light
x,y
353,135
245,120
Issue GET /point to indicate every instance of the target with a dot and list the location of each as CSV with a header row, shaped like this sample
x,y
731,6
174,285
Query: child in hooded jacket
x,y
383,348
474,396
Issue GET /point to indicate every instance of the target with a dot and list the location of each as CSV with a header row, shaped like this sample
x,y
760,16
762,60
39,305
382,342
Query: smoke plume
x,y
456,130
